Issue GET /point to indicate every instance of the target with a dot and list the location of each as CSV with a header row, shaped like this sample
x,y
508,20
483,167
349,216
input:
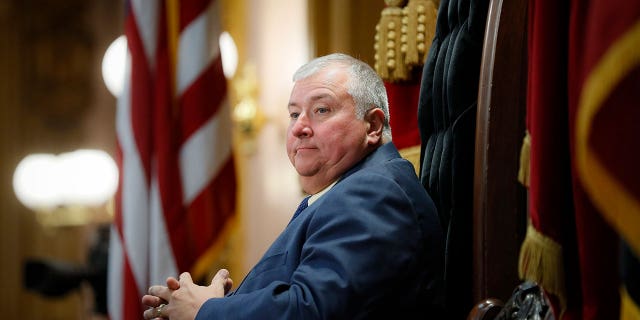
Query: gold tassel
x,y
525,151
418,30
389,60
541,261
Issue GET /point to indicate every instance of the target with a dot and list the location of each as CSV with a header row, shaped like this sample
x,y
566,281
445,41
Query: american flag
x,y
177,186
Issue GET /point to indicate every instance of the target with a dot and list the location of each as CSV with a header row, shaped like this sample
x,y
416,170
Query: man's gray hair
x,y
364,85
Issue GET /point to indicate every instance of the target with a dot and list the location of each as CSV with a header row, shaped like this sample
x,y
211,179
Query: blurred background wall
x,y
53,100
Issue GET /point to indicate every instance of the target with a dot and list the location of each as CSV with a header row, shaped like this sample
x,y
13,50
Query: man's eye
x,y
294,115
322,110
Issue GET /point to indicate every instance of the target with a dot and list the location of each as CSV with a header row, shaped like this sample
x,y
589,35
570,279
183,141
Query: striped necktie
x,y
303,205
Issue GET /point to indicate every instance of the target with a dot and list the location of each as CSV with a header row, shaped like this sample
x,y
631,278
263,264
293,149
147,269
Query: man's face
x,y
324,137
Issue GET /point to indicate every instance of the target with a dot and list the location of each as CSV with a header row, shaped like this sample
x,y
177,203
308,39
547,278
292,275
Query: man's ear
x,y
375,120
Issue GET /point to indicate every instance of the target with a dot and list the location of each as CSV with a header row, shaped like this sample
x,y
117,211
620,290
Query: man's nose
x,y
302,128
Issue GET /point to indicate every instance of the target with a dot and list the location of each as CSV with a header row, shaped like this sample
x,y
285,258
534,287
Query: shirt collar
x,y
317,195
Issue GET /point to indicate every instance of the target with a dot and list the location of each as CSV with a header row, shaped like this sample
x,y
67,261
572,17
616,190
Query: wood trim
x,y
499,216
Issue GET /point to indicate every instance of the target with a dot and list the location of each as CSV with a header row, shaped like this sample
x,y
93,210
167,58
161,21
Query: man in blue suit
x,y
365,244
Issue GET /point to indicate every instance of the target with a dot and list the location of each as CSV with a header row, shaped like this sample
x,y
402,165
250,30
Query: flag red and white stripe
x,y
177,186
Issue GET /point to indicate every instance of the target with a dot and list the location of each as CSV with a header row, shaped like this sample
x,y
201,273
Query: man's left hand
x,y
184,298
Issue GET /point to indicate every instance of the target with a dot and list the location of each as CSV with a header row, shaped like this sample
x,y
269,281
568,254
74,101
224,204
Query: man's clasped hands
x,y
182,298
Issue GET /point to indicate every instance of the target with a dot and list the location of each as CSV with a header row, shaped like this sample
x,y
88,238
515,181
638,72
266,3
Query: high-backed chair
x,y
447,121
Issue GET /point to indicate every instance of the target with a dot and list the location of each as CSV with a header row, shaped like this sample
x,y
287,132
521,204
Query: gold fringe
x,y
525,150
629,309
541,261
418,29
413,155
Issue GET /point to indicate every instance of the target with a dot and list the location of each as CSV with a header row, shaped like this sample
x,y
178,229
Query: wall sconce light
x,y
247,116
69,189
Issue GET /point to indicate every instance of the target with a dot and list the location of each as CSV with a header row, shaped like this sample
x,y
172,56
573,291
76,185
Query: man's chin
x,y
306,172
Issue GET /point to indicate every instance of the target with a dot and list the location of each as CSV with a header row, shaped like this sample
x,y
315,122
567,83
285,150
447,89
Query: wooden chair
x,y
499,208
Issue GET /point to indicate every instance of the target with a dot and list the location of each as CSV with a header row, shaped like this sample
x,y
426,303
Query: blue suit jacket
x,y
370,247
